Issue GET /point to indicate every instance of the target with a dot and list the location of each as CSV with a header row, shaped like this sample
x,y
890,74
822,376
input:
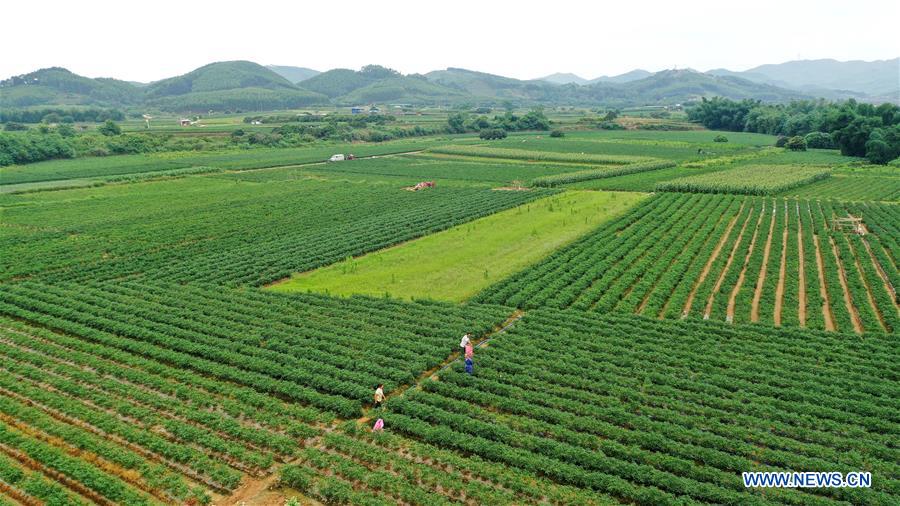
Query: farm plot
x,y
222,230
146,393
850,187
731,258
655,412
418,167
455,264
92,167
537,156
600,173
352,465
748,180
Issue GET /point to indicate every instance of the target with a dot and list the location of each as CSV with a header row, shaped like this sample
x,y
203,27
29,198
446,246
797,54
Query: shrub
x,y
781,141
796,143
109,128
819,140
492,133
12,127
557,133
296,477
720,138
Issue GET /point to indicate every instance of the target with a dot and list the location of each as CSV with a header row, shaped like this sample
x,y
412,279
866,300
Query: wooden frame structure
x,y
851,224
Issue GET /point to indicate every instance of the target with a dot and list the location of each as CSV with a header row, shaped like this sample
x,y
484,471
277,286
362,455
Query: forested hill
x,y
247,86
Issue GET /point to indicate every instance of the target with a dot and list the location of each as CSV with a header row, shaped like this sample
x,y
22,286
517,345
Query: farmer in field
x,y
470,366
379,396
464,342
470,351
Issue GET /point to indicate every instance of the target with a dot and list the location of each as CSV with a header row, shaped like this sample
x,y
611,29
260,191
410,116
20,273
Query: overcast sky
x,y
150,40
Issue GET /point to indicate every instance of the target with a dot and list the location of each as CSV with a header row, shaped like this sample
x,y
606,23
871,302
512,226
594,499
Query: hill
x,y
374,83
829,78
564,78
403,89
686,85
293,74
57,85
633,75
486,86
229,85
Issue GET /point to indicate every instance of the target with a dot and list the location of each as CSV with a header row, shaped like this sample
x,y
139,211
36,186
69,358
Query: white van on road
x,y
336,158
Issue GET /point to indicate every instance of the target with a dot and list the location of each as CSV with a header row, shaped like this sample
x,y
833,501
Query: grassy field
x,y
459,262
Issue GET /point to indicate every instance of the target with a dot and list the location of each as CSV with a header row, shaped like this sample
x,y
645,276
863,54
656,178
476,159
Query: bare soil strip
x,y
56,476
761,280
729,313
878,267
17,496
823,288
801,310
779,290
865,282
848,299
712,258
665,305
718,285
129,476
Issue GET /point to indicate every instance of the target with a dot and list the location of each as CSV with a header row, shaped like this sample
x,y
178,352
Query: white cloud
x,y
152,40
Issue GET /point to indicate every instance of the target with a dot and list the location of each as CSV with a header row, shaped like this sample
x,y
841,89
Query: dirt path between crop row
x,y
729,313
801,290
782,271
761,280
865,282
712,258
737,244
262,492
823,287
848,299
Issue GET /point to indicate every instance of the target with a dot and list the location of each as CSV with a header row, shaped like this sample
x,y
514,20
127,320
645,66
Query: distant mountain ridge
x,y
248,86
877,80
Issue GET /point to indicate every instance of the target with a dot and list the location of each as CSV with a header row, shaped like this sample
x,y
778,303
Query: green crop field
x,y
208,328
457,263
851,187
245,159
748,179
726,258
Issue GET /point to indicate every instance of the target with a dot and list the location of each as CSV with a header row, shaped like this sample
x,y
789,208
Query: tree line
x,y
60,115
856,128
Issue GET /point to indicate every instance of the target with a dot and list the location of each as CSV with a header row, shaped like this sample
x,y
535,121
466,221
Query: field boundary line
x,y
848,298
709,262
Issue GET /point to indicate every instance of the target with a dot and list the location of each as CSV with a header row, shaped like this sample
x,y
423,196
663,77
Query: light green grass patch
x,y
459,262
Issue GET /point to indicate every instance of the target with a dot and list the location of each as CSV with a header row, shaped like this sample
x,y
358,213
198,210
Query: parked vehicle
x,y
336,158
